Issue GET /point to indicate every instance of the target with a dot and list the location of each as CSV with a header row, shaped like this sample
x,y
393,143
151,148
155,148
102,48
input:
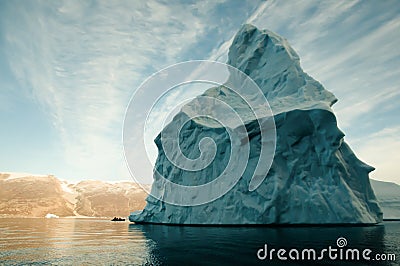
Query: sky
x,y
69,68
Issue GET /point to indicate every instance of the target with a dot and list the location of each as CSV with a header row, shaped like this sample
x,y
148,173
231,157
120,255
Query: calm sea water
x,y
102,242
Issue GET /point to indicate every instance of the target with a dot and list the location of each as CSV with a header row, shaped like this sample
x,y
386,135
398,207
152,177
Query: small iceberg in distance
x,y
50,216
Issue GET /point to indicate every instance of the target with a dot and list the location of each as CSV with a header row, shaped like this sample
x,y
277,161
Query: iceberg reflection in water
x,y
102,242
191,245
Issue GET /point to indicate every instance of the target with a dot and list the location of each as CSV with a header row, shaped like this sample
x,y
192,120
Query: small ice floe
x,y
50,215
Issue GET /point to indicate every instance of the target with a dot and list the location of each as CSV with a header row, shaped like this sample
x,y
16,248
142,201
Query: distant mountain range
x,y
27,195
37,195
388,195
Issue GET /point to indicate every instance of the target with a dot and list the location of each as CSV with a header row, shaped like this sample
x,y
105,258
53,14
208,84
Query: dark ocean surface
x,y
40,241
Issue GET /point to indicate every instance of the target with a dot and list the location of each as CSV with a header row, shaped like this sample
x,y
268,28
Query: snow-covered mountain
x,y
315,178
24,194
30,195
388,195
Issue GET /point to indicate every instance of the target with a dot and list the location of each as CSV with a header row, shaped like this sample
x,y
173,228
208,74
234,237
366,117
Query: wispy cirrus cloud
x,y
82,61
350,40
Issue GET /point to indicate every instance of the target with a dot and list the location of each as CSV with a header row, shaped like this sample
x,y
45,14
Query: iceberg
x,y
51,216
314,176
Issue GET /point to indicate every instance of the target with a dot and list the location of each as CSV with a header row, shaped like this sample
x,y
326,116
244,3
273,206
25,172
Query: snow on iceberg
x,y
315,178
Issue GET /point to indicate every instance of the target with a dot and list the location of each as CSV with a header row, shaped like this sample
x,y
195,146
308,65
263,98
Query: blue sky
x,y
68,70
